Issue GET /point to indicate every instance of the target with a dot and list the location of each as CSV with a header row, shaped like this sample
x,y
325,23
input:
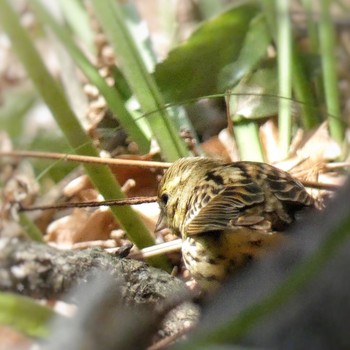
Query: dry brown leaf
x,y
80,226
318,145
145,181
268,133
221,146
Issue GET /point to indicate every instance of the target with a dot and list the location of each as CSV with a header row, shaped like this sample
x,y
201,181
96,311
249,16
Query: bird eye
x,y
164,198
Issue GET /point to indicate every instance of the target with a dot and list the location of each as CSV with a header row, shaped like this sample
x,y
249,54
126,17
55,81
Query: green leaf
x,y
255,96
253,50
24,314
192,69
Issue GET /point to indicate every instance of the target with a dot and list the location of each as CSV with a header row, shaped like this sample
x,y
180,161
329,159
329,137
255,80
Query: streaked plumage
x,y
227,214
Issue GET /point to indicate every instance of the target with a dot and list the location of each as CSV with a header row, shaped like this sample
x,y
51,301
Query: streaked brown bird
x,y
227,213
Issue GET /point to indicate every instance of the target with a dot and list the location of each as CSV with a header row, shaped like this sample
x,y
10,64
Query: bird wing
x,y
264,198
218,211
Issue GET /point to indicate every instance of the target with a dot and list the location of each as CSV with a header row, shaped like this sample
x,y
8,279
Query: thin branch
x,y
158,249
92,204
337,165
321,186
86,159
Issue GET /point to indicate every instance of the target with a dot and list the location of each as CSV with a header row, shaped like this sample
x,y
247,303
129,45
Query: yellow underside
x,y
211,257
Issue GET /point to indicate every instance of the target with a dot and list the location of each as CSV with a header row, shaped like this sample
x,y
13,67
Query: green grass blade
x,y
329,68
311,25
312,33
284,49
248,141
139,32
288,58
303,92
30,228
111,17
78,19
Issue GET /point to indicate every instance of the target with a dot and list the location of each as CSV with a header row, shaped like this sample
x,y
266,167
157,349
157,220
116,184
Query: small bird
x,y
227,213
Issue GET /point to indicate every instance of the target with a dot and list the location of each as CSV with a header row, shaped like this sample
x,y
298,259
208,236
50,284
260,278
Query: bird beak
x,y
161,223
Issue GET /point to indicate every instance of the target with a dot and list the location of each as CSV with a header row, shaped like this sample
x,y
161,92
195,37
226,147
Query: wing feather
x,y
253,194
223,209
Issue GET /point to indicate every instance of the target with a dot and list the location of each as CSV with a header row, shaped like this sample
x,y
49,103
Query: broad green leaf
x,y
192,69
253,50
